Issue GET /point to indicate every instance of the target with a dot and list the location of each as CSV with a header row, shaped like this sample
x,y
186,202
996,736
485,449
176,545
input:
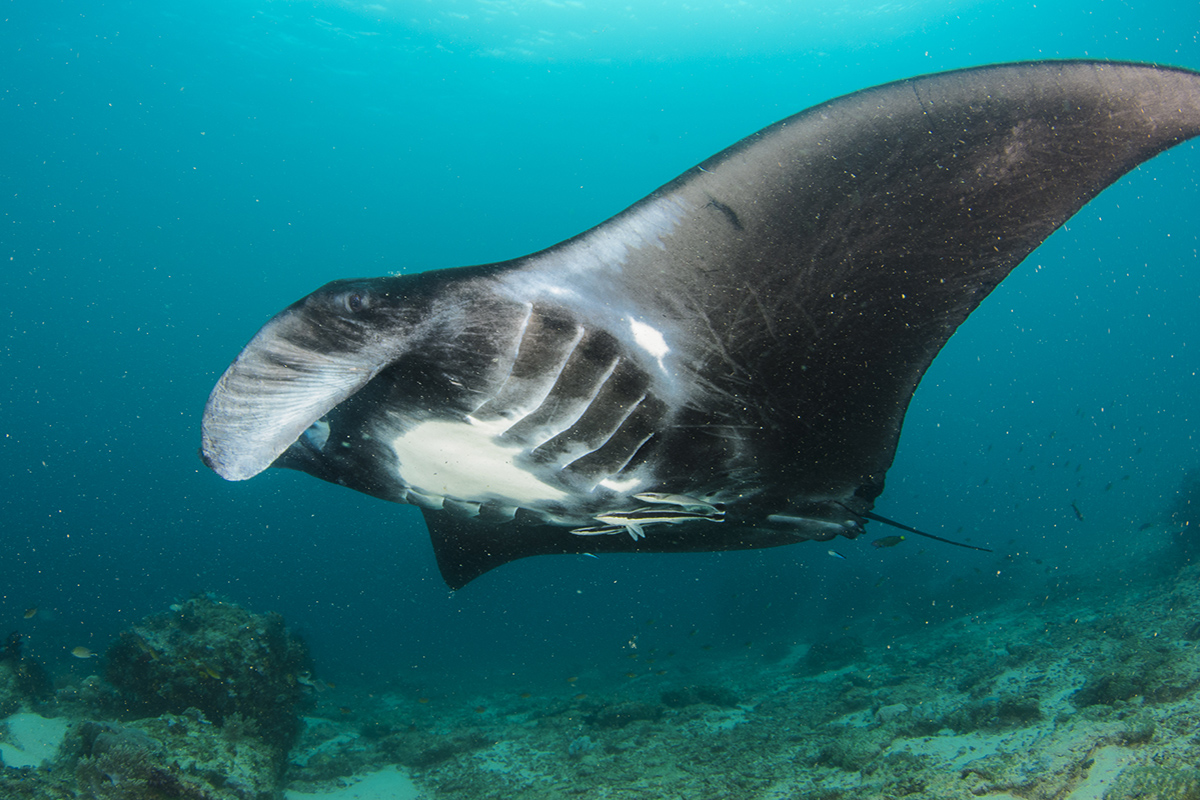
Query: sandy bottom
x,y
388,783
29,739
1091,695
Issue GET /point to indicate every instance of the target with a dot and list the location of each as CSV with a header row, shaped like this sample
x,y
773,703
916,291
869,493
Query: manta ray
x,y
724,365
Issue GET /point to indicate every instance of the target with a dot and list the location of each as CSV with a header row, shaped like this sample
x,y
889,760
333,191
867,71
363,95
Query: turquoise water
x,y
173,174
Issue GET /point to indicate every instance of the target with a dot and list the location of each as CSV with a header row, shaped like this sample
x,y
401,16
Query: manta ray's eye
x,y
356,301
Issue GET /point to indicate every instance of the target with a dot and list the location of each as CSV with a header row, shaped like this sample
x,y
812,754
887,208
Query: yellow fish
x,y
83,652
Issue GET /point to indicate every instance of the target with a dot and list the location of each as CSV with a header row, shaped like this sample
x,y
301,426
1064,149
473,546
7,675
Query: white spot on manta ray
x,y
601,251
625,486
463,460
651,340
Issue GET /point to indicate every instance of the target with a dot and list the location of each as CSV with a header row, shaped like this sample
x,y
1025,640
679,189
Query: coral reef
x,y
22,679
1092,695
699,695
831,654
216,657
1156,783
35,784
620,714
200,703
423,752
183,757
1135,668
1095,696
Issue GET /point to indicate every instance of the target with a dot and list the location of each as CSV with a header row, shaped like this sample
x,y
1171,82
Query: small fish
x,y
681,500
632,522
422,700
316,684
887,541
597,530
526,695
835,554
1145,526
30,613
1078,513
83,652
572,679
657,516
210,672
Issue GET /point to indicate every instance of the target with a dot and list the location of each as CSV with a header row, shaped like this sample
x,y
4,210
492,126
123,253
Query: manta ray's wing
x,y
819,265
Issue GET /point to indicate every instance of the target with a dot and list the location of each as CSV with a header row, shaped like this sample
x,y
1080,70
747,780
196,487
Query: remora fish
x,y
634,522
751,333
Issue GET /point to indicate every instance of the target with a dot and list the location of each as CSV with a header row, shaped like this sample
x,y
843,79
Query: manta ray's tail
x,y
880,518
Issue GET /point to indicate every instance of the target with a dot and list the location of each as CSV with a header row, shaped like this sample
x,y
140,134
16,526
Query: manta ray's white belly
x,y
464,460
